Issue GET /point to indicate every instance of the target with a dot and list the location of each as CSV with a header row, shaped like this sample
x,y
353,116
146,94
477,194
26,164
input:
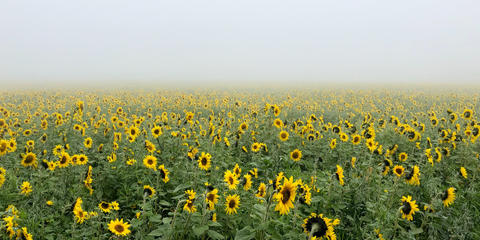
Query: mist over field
x,y
105,44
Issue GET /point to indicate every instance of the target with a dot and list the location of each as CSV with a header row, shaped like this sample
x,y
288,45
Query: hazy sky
x,y
57,43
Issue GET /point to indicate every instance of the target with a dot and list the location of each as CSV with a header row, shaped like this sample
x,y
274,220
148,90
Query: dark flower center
x,y
231,204
406,209
286,195
119,228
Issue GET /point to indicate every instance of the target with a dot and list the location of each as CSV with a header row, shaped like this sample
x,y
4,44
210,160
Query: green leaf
x,y
160,231
156,218
245,233
199,230
416,231
215,235
214,224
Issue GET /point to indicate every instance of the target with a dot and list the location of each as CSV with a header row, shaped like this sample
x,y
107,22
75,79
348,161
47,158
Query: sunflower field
x,y
261,164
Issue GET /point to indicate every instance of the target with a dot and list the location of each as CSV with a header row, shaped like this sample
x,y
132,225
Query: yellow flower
x,y
118,227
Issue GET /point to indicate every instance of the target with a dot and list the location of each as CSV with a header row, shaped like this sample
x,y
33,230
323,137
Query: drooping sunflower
x,y
163,173
296,155
232,203
212,198
3,147
118,227
247,182
189,206
463,172
413,177
283,135
409,207
26,188
333,143
29,160
237,170
88,142
306,197
398,170
387,163
353,161
319,227
448,197
339,175
231,179
262,190
286,196
149,146
204,161
150,161
403,156
149,191
105,207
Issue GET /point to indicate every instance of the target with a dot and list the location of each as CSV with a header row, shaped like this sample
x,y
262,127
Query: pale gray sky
x,y
135,43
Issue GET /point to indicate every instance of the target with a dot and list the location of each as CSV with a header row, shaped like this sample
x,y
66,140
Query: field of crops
x,y
330,164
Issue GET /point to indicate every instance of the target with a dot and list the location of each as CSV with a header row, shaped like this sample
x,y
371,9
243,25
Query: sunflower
x,y
387,163
133,131
286,196
189,206
403,156
343,137
262,190
156,131
149,146
243,127
237,170
333,143
247,182
398,170
255,147
296,155
29,160
118,227
150,161
306,194
204,161
23,234
88,142
283,135
231,179
356,139
212,198
231,203
409,207
467,114
149,191
105,207
448,197
339,175
464,173
64,160
26,188
278,123
353,161
413,177
319,227
164,173
82,159
3,147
